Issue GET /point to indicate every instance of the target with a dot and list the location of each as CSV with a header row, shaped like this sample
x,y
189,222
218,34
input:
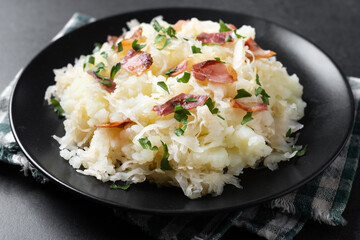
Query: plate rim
x,y
103,201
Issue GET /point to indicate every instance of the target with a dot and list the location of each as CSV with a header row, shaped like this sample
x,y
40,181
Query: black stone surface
x,y
30,210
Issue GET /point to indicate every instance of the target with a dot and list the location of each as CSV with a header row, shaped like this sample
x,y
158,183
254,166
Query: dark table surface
x,y
30,210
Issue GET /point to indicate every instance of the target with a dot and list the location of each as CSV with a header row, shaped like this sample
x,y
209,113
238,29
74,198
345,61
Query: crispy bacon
x,y
137,34
180,68
207,38
113,39
178,25
136,61
214,71
168,107
115,124
248,108
257,50
109,89
231,26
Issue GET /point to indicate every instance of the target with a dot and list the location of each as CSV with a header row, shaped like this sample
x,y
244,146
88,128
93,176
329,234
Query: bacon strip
x,y
178,25
214,71
136,61
180,68
257,50
207,38
168,107
137,34
125,42
231,26
253,108
115,124
109,89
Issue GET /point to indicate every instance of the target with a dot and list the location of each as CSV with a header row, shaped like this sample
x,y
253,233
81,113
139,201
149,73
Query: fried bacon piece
x,y
178,25
214,71
125,42
110,88
180,68
221,37
168,107
248,108
115,124
257,50
136,61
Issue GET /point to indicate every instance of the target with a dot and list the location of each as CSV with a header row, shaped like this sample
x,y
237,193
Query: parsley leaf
x,y
181,114
171,32
122,187
195,49
219,60
104,54
288,133
98,68
302,152
223,27
247,118
260,91
180,131
238,35
213,43
57,107
114,70
163,86
211,106
241,93
168,73
105,82
164,164
190,99
120,47
185,78
220,116
228,38
257,80
146,144
89,59
137,47
167,41
157,26
97,47
159,38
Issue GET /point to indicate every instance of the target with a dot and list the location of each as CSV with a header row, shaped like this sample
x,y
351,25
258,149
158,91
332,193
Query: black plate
x,y
328,117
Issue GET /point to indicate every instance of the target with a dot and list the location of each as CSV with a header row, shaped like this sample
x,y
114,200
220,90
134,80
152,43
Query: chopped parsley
x,y
211,105
181,114
247,118
228,38
219,60
114,70
159,38
120,47
288,133
238,35
190,99
213,43
146,144
260,91
122,187
105,82
195,49
164,164
163,86
169,31
57,107
97,47
167,41
302,152
98,68
137,47
104,54
185,78
168,73
257,80
223,27
221,117
180,131
89,59
241,93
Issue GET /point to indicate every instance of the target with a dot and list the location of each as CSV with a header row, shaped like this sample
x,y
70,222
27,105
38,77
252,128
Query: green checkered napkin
x,y
323,199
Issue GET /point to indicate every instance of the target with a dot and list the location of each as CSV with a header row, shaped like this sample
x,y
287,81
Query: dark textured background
x,y
29,210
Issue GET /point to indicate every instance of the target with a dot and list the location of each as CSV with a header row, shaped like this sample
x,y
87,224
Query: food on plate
x,y
190,104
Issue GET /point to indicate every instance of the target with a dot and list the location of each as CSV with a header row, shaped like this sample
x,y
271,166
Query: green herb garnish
x,y
288,133
159,38
98,68
167,41
181,114
241,93
97,47
120,47
260,91
219,60
228,38
185,78
164,164
238,35
213,43
163,86
57,107
104,54
137,47
89,59
220,116
195,49
247,118
180,131
105,82
157,26
223,27
190,99
114,70
122,187
257,80
146,144
302,152
168,73
211,105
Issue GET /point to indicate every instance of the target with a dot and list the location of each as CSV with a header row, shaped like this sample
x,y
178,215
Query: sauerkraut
x,y
114,133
